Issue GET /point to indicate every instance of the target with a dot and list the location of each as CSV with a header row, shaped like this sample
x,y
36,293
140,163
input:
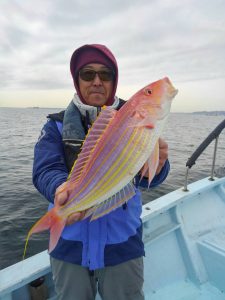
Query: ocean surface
x,y
21,204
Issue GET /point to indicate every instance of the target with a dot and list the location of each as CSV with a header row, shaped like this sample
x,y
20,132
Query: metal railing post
x,y
214,135
185,189
214,159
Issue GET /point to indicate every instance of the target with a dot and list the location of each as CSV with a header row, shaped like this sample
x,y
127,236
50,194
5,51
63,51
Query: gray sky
x,y
181,39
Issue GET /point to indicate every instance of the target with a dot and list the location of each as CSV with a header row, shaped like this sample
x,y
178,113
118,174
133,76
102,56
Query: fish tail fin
x,y
51,220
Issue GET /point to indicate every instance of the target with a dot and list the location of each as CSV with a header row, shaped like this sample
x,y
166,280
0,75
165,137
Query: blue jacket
x,y
107,241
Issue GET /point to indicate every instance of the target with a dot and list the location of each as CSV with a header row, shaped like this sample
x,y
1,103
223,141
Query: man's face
x,y
95,92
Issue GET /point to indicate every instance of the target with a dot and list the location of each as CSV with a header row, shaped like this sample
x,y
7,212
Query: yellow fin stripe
x,y
118,172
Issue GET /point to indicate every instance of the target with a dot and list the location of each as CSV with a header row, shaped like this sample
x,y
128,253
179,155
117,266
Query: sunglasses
x,y
89,75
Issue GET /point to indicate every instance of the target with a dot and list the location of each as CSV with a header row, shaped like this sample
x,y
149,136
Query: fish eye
x,y
148,92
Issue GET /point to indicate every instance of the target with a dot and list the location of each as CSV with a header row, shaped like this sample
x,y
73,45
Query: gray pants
x,y
120,282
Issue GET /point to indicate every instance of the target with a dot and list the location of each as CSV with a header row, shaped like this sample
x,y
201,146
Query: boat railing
x,y
214,135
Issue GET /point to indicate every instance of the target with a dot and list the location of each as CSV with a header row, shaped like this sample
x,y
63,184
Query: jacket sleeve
x,y
49,168
158,179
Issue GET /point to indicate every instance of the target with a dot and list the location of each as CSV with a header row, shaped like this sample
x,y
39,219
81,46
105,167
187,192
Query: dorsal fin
x,y
92,138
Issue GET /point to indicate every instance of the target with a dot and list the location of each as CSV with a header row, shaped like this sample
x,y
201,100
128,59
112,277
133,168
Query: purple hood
x,y
94,53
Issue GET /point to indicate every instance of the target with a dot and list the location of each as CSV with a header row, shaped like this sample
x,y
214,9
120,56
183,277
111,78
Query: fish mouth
x,y
172,91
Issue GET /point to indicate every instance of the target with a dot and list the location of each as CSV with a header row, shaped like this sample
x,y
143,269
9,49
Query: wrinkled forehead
x,y
96,66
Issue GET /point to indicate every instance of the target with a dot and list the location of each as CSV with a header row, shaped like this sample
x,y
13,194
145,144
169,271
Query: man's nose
x,y
97,80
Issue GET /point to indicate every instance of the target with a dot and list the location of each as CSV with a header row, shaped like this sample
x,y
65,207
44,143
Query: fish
x,y
118,145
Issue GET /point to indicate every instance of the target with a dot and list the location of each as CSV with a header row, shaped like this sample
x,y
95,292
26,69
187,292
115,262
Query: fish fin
x,y
55,232
151,164
111,203
51,220
93,136
147,122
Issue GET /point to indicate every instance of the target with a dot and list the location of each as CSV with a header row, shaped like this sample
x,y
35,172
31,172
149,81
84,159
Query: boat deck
x,y
185,244
186,290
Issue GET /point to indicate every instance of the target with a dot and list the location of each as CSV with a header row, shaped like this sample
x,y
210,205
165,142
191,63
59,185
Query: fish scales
x,y
115,152
105,177
98,167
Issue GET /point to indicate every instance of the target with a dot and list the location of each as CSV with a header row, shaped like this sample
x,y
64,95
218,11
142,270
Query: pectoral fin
x,y
151,164
140,119
146,122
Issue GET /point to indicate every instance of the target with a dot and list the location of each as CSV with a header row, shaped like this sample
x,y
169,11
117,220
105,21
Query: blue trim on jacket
x,y
110,240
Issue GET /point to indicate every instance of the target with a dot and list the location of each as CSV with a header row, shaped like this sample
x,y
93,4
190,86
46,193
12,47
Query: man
x,y
105,254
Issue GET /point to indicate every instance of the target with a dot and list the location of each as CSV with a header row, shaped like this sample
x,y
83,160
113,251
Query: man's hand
x,y
61,197
163,154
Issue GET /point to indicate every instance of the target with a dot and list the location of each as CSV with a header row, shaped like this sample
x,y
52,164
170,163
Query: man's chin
x,y
96,100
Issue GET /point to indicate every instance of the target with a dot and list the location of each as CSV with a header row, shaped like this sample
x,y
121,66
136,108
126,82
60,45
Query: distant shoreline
x,y
31,107
210,113
205,113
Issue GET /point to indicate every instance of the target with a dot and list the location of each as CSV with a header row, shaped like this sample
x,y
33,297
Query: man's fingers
x,y
163,154
61,194
162,144
61,198
75,217
163,150
61,188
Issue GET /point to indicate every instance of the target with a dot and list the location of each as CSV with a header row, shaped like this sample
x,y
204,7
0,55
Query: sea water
x,y
22,205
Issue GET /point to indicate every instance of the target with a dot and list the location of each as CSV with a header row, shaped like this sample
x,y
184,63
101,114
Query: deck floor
x,y
185,290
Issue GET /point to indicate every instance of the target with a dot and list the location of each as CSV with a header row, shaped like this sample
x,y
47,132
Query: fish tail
x,y
51,220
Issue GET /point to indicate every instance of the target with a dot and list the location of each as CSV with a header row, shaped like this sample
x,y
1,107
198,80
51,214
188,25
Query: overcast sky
x,y
181,39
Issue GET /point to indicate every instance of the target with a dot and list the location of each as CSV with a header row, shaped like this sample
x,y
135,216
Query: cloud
x,y
183,39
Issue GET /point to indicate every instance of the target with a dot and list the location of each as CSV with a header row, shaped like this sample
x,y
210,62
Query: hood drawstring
x,y
98,110
87,121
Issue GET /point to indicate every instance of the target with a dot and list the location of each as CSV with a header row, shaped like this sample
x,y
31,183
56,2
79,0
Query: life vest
x,y
72,147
